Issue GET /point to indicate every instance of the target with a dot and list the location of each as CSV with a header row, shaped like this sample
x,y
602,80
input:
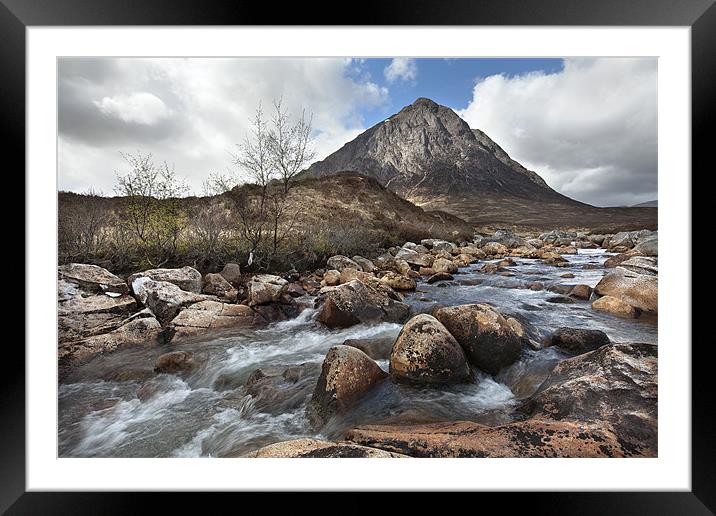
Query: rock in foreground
x,y
312,448
425,352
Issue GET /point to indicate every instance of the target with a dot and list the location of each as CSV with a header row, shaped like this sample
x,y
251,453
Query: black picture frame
x,y
700,15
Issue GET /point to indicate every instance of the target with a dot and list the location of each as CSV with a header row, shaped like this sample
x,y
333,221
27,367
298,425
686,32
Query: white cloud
x,y
590,130
140,108
211,102
402,68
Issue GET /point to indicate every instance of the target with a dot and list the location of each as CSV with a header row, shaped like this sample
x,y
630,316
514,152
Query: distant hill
x,y
430,156
647,204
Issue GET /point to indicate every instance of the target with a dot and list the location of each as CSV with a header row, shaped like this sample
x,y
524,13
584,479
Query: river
x,y
209,413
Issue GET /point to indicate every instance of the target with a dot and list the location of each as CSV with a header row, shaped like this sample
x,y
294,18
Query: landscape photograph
x,y
357,257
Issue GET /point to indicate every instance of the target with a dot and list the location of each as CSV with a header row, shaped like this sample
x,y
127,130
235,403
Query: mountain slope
x,y
427,154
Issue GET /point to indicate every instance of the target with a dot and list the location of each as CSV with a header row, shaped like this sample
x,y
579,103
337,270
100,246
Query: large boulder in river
x,y
494,248
444,265
615,306
340,262
639,290
426,352
279,389
397,281
414,257
347,375
648,246
489,341
164,299
175,362
614,385
143,330
355,302
81,315
92,278
578,340
214,315
266,288
187,278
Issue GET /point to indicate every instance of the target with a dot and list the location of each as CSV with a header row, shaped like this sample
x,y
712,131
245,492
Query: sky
x,y
588,126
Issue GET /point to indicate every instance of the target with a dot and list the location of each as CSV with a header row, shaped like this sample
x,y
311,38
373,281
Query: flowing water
x,y
210,413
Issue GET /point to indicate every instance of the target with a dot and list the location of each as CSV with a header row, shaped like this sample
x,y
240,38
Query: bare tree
x,y
290,144
151,208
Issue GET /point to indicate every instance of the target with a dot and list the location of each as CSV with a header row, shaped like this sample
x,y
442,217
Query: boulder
x,y
648,246
332,277
615,306
415,247
581,291
578,341
494,248
364,263
346,376
489,341
622,239
461,439
277,390
507,239
349,274
415,258
375,348
444,265
217,285
615,386
144,331
204,315
187,278
265,288
355,302
463,260
340,262
440,276
426,352
615,260
639,290
312,448
474,251
92,278
232,273
641,265
397,281
175,362
163,299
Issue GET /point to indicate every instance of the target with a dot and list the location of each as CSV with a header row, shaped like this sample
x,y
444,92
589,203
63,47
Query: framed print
x,y
419,247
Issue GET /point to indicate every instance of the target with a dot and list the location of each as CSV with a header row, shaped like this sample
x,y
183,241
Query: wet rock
x,y
397,281
641,265
92,278
615,306
265,288
295,290
175,362
187,278
376,348
97,304
489,341
144,331
561,288
312,448
578,341
536,285
84,315
614,386
639,290
444,265
440,276
463,260
560,299
622,239
415,258
365,264
402,267
232,273
474,251
467,439
355,302
340,262
535,242
426,352
346,376
566,275
279,389
204,315
163,299
129,375
581,291
615,260
217,285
